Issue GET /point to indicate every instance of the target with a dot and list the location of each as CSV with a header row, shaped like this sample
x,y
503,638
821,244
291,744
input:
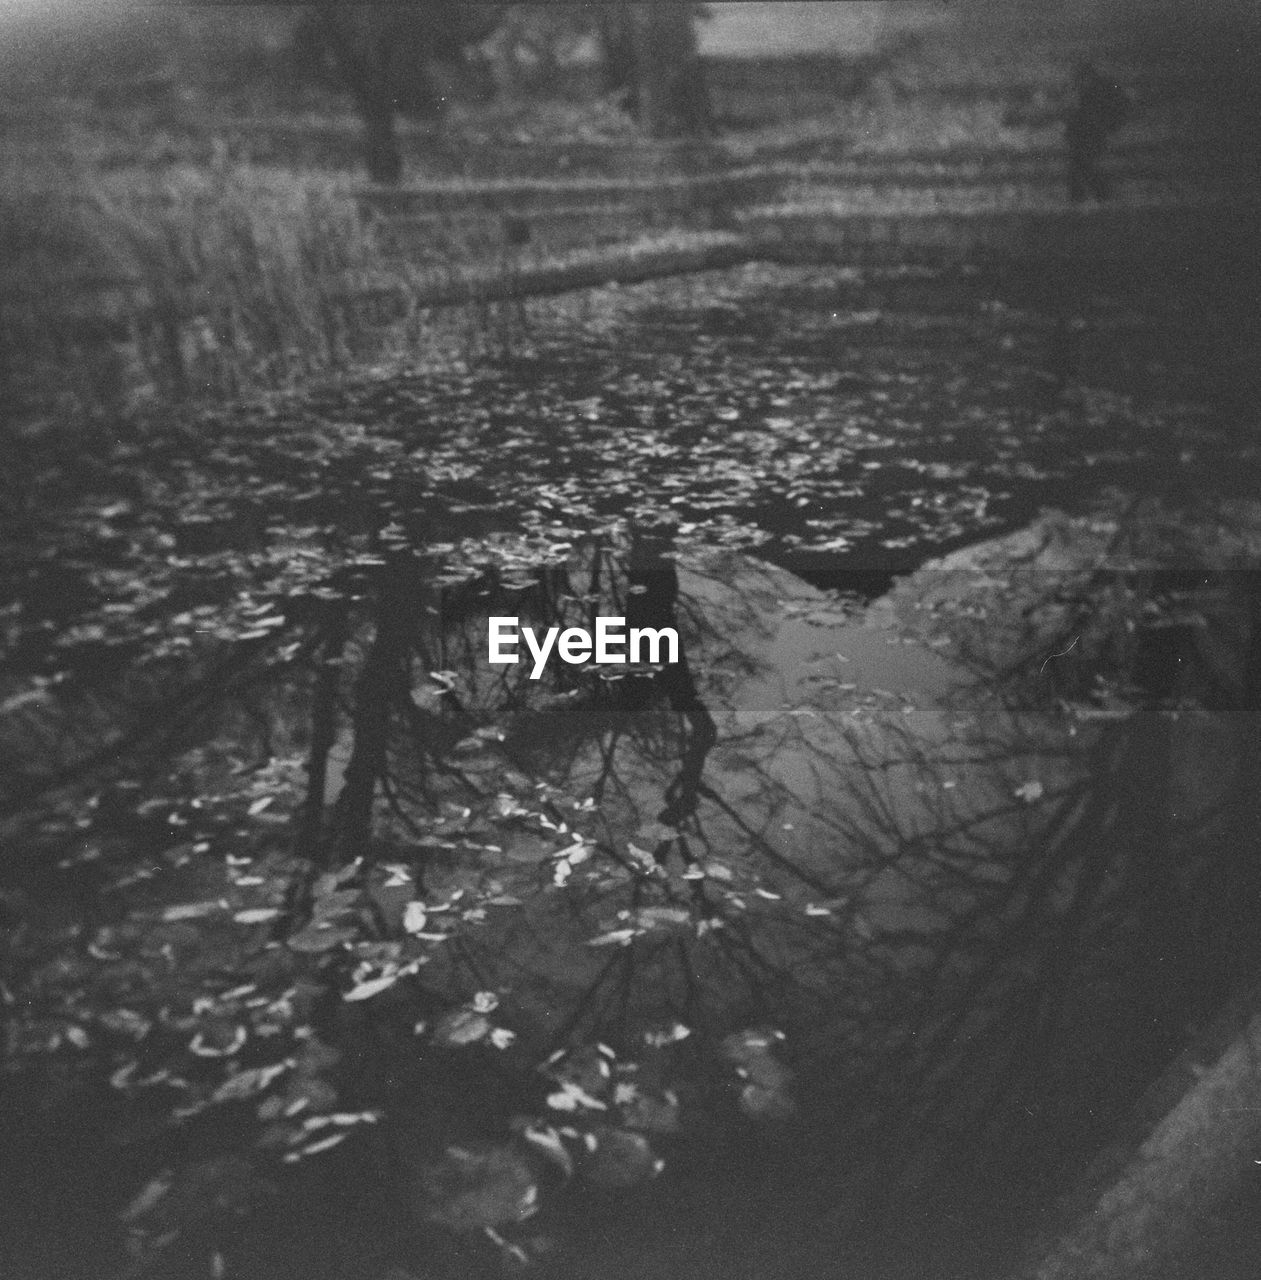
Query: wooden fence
x,y
1150,160
785,235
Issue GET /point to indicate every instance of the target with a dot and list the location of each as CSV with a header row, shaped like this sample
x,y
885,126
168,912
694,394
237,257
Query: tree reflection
x,y
830,949
958,958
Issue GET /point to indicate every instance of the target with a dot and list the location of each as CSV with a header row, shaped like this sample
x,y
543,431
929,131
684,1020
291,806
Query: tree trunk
x,y
376,691
670,79
364,63
381,150
323,727
617,38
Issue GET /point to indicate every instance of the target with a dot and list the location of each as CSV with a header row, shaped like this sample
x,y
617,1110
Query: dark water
x,y
882,916
842,421
967,919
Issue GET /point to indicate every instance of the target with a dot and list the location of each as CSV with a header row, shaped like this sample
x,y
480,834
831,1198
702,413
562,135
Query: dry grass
x,y
891,126
142,283
131,285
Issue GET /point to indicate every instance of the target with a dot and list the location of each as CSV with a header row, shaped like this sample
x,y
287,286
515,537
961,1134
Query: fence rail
x,y
339,142
789,235
761,183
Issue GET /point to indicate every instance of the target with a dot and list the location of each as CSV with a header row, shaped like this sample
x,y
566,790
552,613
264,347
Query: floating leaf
x,y
619,1159
461,1027
314,1148
218,1044
613,938
650,916
245,1084
192,910
256,915
335,903
546,1140
572,1097
147,1199
642,858
316,938
342,1119
19,700
652,1114
126,1022
475,1187
670,1035
309,1093
372,987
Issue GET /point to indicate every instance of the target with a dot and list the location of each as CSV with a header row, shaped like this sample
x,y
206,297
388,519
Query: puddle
x,y
825,651
958,921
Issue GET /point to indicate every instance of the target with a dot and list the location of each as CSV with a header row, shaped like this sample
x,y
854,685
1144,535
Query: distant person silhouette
x,y
1100,107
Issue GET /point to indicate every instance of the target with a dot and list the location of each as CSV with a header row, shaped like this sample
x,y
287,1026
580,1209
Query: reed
x,y
131,287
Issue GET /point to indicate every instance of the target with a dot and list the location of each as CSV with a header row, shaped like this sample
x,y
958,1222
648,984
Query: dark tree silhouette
x,y
651,56
383,57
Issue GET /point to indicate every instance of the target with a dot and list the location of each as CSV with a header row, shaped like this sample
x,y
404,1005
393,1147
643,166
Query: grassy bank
x,y
99,276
